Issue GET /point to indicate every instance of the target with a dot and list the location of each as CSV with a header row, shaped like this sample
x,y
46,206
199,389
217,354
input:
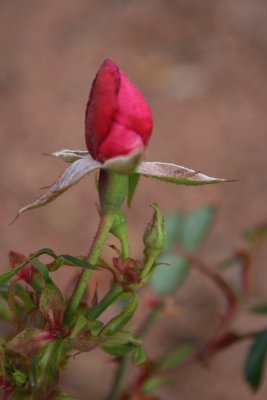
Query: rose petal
x,y
120,141
101,106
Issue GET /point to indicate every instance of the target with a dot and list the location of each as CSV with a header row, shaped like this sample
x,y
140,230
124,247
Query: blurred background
x,y
202,66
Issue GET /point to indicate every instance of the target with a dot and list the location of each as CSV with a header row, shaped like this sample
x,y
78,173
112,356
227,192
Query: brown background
x,y
202,65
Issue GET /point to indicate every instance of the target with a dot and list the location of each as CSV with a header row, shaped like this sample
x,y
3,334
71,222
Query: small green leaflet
x,y
6,276
74,261
254,365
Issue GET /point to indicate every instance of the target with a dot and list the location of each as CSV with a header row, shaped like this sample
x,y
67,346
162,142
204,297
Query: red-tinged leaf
x,y
51,305
16,259
175,174
71,176
29,341
86,342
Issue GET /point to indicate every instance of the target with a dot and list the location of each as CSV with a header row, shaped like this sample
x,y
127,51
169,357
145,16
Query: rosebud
x,y
118,120
155,235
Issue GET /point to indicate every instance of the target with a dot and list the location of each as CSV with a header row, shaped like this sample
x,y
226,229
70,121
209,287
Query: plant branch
x,y
104,303
99,240
119,378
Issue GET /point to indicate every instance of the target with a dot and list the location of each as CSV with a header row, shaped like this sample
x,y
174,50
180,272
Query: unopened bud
x,y
155,235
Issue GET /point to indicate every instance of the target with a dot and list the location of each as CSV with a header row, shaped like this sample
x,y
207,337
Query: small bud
x,y
155,235
52,306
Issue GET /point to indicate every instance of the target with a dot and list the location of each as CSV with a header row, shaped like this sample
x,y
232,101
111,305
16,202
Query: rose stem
x,y
99,240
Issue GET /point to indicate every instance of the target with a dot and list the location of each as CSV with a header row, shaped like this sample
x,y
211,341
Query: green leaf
x,y
133,181
46,251
176,356
6,276
254,365
45,366
74,261
167,278
43,270
139,355
121,343
19,377
196,227
174,226
262,309
24,295
5,313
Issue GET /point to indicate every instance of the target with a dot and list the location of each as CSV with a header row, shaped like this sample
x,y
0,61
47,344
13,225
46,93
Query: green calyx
x,y
113,188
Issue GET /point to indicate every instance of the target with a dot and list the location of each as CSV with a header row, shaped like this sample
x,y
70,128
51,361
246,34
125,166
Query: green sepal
x,y
113,188
42,269
133,182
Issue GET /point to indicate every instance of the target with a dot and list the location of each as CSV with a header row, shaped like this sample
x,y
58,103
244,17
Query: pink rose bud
x,y
118,120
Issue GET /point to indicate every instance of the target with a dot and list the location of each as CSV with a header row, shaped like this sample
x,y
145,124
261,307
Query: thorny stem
x,y
99,240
